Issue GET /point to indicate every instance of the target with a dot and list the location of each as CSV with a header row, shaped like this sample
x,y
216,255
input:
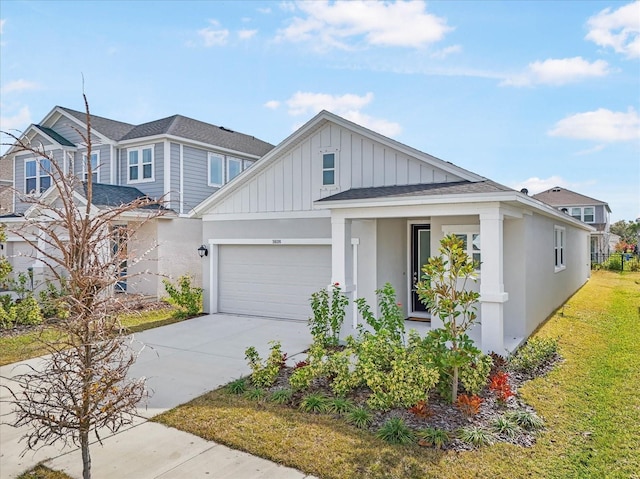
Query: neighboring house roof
x,y
114,195
183,127
558,197
427,189
112,129
54,136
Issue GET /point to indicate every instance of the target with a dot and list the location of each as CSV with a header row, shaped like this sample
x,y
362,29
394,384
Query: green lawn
x,y
590,403
28,345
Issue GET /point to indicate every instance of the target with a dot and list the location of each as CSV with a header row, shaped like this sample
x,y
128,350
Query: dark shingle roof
x,y
558,197
114,195
191,129
425,189
112,129
61,140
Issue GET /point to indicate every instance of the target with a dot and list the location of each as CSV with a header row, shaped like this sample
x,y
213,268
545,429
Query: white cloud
x,y
2,22
19,121
590,151
558,72
600,125
17,86
347,106
272,104
445,52
246,34
212,36
264,11
335,25
618,29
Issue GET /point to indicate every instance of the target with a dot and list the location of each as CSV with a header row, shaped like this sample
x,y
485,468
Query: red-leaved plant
x,y
421,409
499,384
469,405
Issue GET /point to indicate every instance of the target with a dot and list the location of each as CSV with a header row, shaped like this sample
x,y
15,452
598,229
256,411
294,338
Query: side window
x,y
141,164
470,236
559,246
234,168
216,173
589,214
37,176
576,213
328,169
95,167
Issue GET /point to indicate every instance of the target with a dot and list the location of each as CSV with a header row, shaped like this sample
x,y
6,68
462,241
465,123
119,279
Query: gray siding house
x,y
594,212
177,159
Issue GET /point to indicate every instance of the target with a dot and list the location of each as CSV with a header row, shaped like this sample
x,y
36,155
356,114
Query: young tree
x,y
82,386
443,290
628,231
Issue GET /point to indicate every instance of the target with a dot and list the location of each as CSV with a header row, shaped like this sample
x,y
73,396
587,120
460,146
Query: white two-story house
x,y
177,159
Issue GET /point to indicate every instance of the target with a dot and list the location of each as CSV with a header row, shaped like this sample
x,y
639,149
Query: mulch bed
x,y
441,414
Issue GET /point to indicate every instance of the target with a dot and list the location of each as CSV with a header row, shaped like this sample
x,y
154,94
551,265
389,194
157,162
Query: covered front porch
x,y
374,244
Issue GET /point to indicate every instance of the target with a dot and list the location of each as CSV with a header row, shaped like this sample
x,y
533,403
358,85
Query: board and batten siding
x,y
293,181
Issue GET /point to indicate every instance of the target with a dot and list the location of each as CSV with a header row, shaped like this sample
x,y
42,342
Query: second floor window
x,y
216,170
141,164
586,213
234,167
95,167
37,176
328,169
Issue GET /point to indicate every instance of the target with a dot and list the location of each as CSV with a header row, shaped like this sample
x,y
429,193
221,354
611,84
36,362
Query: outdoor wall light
x,y
203,251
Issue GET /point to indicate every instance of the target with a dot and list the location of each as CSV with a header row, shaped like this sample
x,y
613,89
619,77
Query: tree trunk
x,y
454,385
86,457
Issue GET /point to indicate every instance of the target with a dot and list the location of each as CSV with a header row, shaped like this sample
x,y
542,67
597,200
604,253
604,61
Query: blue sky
x,y
529,94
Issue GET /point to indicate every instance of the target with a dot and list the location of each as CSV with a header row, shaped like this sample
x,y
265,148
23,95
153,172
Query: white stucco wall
x,y
178,242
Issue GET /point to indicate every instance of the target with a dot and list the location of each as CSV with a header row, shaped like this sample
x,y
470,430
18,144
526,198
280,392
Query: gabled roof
x,y
427,189
61,140
184,127
317,122
112,129
104,195
559,197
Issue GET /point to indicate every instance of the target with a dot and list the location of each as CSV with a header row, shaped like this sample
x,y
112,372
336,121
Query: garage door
x,y
271,280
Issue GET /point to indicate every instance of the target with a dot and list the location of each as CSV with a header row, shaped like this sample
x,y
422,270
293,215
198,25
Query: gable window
x,y
559,245
95,167
328,169
140,164
216,169
37,176
234,167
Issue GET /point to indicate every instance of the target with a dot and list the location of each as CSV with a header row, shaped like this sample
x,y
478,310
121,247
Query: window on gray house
x,y
329,169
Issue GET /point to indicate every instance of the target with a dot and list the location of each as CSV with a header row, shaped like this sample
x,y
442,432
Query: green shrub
x,y
339,367
475,436
239,386
265,374
314,402
339,406
316,367
28,311
7,317
255,394
395,431
328,315
432,436
52,301
281,396
475,373
391,318
536,352
525,419
506,426
360,417
183,295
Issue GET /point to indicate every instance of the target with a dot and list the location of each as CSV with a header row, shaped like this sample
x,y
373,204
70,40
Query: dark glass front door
x,y
420,252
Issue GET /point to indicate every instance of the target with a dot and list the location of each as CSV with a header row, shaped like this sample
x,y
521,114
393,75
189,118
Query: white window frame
x,y
140,164
232,159
220,157
582,216
468,231
559,248
334,169
96,170
38,176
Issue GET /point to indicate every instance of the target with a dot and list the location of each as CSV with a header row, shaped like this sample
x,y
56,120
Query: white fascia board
x,y
186,141
267,215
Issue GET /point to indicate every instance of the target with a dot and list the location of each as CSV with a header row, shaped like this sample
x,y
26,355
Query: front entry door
x,y
420,253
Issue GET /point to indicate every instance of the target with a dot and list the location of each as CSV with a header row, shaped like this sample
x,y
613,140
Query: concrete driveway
x,y
180,361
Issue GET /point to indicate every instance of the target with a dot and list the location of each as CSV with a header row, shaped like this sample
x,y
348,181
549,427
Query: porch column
x,y
492,294
342,266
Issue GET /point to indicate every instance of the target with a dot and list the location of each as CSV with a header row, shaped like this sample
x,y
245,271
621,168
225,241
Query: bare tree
x,y
82,386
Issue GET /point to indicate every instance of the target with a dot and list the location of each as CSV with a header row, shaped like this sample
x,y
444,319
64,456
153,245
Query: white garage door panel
x,y
276,281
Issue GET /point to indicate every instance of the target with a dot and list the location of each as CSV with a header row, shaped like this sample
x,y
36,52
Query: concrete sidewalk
x,y
180,361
